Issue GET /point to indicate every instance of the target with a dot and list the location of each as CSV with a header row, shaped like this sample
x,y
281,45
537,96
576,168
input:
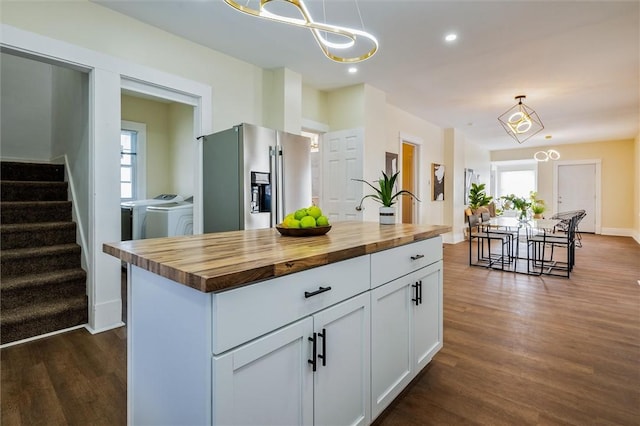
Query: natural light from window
x,y
128,165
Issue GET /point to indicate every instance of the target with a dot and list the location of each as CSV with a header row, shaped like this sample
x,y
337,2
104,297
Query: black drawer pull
x,y
417,256
323,357
308,294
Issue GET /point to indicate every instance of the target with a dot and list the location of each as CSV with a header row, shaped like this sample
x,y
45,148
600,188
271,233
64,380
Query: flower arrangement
x,y
511,202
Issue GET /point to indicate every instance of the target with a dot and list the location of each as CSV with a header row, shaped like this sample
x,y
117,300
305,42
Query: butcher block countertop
x,y
221,261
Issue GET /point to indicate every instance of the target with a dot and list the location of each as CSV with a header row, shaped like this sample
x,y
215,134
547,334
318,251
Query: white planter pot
x,y
387,215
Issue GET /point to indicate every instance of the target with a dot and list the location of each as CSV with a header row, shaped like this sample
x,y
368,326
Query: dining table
x,y
520,228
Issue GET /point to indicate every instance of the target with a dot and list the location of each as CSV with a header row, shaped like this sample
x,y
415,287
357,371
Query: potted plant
x,y
537,205
478,197
521,204
386,195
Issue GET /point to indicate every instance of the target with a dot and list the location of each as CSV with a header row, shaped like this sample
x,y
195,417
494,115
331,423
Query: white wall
x,y
25,127
70,134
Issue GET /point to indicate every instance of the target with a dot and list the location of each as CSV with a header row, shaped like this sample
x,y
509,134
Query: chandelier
x,y
521,122
342,38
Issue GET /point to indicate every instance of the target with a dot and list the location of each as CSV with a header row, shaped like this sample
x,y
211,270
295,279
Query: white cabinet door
x,y
406,331
427,316
390,342
341,382
266,382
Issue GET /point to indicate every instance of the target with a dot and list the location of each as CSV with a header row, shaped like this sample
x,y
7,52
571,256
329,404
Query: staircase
x,y
42,287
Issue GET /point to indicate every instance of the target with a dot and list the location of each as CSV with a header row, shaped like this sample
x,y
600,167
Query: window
x,y
515,178
132,160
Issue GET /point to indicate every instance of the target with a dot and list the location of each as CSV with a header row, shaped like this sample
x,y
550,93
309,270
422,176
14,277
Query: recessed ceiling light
x,y
352,70
548,137
451,37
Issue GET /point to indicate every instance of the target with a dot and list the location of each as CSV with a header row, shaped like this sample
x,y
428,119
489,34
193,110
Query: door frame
x,y
417,142
598,186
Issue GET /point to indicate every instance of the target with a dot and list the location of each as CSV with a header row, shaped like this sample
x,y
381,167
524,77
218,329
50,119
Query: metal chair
x,y
482,235
539,243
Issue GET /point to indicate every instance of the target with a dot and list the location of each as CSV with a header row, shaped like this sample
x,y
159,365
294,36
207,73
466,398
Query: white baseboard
x,y
106,316
452,237
42,336
619,232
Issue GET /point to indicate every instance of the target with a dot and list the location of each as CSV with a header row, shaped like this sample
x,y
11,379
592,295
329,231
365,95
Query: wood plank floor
x,y
518,350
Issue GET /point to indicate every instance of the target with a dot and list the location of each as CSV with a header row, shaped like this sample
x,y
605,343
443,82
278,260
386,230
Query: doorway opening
x,y
410,159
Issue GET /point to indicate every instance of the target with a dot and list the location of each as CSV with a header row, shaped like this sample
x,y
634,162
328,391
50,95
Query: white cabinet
x,y
406,331
315,371
267,381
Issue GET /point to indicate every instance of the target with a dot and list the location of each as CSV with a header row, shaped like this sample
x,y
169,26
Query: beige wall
x,y
315,105
170,144
158,152
618,176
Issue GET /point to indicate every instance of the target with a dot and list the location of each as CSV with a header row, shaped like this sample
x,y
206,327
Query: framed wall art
x,y
437,176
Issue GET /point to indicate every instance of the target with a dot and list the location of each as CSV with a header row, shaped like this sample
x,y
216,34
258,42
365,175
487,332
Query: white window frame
x,y
513,166
140,178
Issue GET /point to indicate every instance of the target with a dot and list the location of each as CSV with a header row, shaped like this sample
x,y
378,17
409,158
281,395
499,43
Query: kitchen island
x,y
251,327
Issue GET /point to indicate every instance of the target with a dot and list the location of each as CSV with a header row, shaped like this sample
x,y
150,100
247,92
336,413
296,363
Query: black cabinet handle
x,y
420,291
417,256
308,294
312,361
416,297
323,356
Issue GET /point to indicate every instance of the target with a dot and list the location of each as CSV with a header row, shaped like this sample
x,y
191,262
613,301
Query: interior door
x,y
342,159
577,191
409,152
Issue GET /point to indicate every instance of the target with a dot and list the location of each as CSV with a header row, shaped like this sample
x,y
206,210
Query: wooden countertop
x,y
220,261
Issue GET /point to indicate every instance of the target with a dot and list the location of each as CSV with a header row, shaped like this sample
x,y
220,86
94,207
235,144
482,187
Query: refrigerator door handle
x,y
280,184
275,190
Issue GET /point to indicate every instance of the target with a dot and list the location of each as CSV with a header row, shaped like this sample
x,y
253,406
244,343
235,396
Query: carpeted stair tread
x,y
13,170
24,235
14,190
35,289
39,259
32,280
22,323
35,211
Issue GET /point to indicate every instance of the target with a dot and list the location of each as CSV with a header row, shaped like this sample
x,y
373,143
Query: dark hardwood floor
x,y
518,350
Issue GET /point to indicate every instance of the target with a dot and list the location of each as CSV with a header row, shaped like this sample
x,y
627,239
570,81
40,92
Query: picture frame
x,y
438,178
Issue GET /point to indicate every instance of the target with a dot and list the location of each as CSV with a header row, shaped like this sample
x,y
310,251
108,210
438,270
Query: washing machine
x,y
133,214
169,220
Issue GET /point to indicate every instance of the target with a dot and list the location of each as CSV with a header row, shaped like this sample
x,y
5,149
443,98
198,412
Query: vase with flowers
x,y
521,204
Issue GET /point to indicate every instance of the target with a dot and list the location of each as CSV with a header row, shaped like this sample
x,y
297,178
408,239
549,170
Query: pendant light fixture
x,y
521,122
342,38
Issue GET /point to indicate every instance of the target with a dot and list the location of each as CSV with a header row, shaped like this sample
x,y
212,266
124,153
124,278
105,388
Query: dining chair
x,y
541,242
482,235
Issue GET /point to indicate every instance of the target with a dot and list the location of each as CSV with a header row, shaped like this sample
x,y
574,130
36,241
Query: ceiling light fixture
x,y
521,122
352,70
551,154
348,37
451,37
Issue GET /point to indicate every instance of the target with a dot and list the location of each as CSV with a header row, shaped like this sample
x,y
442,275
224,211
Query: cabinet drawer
x,y
390,264
248,312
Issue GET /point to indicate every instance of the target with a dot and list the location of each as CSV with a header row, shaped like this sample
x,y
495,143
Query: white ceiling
x,y
577,62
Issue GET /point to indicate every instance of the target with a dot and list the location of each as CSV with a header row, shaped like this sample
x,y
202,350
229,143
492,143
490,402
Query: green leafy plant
x,y
384,192
516,203
537,205
478,197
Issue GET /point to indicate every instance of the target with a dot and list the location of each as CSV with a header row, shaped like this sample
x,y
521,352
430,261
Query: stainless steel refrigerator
x,y
253,176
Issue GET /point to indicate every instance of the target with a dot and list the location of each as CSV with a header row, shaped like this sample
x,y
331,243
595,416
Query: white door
x,y
266,382
341,383
427,316
391,353
342,161
577,191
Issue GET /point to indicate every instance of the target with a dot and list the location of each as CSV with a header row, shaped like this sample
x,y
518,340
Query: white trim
x,y
418,143
141,155
598,190
76,212
42,336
